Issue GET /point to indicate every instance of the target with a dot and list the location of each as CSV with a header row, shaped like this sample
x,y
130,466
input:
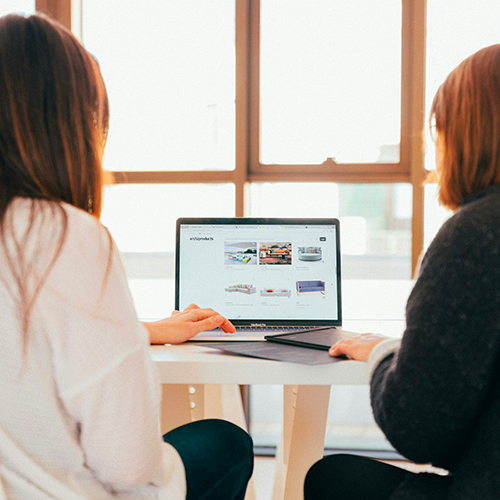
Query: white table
x,y
204,383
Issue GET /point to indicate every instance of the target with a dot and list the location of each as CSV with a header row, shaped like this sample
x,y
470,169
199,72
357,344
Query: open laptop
x,y
266,276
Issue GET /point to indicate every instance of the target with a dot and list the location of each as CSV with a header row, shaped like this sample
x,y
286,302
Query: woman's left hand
x,y
358,347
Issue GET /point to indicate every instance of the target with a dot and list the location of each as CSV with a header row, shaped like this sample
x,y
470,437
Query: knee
x,y
230,433
234,444
334,465
227,438
326,472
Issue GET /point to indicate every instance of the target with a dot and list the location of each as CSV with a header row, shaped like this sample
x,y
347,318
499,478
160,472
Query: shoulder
x,y
88,257
43,220
458,287
84,283
86,236
67,249
471,234
478,214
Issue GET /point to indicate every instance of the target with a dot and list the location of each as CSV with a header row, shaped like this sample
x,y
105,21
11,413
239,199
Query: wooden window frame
x,y
410,168
248,168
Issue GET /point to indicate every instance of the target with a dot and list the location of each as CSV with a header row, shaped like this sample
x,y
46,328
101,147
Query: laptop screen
x,y
271,271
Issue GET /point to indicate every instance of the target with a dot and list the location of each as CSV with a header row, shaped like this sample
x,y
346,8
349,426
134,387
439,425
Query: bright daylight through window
x,y
330,81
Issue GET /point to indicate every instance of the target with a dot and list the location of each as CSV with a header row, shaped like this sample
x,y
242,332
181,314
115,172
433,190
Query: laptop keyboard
x,y
270,329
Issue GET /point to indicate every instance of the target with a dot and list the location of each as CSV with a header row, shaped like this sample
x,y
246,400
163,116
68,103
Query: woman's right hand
x,y
183,325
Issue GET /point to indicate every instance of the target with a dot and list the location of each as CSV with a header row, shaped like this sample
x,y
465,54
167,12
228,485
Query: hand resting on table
x,y
183,325
358,347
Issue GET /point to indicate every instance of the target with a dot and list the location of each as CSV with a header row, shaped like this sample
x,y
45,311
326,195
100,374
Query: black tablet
x,y
321,339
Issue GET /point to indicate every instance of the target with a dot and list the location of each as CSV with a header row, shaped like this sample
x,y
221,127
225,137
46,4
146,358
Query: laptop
x,y
267,276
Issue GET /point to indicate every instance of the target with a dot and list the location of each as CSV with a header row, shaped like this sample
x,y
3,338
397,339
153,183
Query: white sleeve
x,y
119,429
106,380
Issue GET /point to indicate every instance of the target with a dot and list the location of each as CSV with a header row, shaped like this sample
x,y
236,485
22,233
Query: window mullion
x,y
414,26
243,127
60,10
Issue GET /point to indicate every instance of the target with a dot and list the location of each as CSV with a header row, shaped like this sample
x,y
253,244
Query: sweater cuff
x,y
379,353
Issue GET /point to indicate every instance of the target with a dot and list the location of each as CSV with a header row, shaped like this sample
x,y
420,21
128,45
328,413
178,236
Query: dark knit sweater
x,y
438,399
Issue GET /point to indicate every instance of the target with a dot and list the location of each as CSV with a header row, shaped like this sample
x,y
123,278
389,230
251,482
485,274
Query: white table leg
x,y
175,409
283,449
184,403
303,438
280,468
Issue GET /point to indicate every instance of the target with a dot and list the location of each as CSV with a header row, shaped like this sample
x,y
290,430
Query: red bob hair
x,y
466,113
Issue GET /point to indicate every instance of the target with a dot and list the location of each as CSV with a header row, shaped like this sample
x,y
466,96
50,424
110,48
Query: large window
x,y
197,87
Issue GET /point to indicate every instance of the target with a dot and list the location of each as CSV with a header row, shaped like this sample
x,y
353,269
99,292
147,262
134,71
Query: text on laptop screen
x,y
260,271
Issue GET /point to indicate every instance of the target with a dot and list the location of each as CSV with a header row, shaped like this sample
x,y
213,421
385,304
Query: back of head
x,y
53,115
466,111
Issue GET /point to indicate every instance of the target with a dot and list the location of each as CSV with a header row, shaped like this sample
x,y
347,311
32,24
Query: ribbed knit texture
x,y
84,400
438,398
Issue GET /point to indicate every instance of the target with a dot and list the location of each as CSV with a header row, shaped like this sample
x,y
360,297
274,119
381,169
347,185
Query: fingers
x,y
210,317
190,307
358,347
338,349
209,323
227,326
201,314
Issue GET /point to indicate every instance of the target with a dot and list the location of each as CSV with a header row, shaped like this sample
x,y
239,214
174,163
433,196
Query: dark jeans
x,y
350,477
217,456
346,477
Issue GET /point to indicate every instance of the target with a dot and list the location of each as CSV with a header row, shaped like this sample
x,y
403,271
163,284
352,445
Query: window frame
x,y
248,168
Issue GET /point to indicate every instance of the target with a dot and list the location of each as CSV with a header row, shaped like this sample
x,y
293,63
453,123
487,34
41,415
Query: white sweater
x,y
83,400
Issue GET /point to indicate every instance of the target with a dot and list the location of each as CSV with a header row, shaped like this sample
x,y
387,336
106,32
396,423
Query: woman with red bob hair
x,y
79,393
436,392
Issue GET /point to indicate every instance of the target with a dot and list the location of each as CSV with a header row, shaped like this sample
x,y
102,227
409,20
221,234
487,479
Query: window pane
x,y
142,218
375,221
330,81
169,69
17,7
455,30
